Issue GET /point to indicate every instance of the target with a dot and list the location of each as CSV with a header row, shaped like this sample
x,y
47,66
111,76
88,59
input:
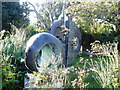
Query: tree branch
x,y
38,16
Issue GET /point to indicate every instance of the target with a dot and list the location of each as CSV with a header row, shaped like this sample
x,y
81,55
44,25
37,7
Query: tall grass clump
x,y
107,67
57,77
12,49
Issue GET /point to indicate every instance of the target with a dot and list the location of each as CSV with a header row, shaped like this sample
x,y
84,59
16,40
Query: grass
x,y
12,50
54,77
103,70
89,79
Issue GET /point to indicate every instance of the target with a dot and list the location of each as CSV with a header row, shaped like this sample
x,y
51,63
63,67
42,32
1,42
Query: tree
x,y
14,13
98,18
47,12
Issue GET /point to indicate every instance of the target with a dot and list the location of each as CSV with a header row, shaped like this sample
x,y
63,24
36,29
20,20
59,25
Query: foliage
x,y
100,19
106,68
12,57
49,11
103,68
58,78
14,13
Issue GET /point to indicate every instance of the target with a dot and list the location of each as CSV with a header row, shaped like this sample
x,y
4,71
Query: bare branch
x,y
53,13
50,15
38,16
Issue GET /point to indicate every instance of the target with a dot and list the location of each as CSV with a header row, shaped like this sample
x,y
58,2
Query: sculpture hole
x,y
48,56
75,43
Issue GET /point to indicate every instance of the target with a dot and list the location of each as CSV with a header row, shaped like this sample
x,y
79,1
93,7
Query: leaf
x,y
10,81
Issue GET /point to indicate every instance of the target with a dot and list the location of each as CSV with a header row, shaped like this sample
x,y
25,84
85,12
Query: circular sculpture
x,y
73,36
43,50
74,42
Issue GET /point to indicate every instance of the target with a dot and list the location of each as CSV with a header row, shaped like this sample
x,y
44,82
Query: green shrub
x,y
106,68
98,20
12,49
12,55
55,77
